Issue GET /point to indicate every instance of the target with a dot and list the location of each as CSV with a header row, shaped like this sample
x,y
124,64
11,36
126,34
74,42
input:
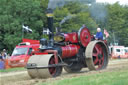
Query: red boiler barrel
x,y
69,50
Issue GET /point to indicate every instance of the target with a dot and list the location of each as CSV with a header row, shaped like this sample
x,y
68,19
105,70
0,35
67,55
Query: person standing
x,y
2,63
4,53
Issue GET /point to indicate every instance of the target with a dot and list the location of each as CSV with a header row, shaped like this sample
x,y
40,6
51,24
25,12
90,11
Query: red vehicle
x,y
22,52
71,51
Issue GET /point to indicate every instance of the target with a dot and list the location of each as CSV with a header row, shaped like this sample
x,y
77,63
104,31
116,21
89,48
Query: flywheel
x,y
84,36
96,55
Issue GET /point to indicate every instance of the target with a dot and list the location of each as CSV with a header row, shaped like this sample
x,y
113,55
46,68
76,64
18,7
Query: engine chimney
x,y
50,26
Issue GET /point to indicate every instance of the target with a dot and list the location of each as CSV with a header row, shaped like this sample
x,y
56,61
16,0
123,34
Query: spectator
x,y
2,65
8,56
4,53
1,57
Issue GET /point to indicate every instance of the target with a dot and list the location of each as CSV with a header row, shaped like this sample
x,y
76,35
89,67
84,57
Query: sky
x,y
122,2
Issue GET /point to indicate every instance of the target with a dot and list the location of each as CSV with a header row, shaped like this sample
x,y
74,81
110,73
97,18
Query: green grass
x,y
12,69
105,78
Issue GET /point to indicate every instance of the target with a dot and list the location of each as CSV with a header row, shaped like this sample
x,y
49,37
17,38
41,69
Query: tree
x,y
14,13
124,30
117,23
99,13
72,19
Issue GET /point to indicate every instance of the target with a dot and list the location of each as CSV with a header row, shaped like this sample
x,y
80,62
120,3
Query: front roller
x,y
43,66
96,55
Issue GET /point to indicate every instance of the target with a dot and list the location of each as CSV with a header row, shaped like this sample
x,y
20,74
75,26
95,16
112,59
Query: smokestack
x,y
50,26
50,19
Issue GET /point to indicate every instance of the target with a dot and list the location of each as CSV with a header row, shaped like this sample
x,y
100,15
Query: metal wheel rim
x,y
92,59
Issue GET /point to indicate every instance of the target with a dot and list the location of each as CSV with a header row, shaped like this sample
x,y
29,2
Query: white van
x,y
118,51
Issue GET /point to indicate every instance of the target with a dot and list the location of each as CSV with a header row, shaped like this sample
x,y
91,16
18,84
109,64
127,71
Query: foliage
x,y
117,23
14,13
75,17
99,13
112,17
69,17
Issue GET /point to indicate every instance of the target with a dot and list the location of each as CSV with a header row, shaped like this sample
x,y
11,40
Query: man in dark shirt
x,y
99,34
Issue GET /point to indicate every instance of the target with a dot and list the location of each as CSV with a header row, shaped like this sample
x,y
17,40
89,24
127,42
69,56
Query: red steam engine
x,y
71,51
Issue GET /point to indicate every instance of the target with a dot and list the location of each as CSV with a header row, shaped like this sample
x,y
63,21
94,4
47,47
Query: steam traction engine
x,y
73,51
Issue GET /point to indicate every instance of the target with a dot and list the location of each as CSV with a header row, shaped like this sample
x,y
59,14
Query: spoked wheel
x,y
96,55
73,67
54,71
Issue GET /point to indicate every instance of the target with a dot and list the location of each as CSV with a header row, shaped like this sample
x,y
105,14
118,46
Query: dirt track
x,y
22,78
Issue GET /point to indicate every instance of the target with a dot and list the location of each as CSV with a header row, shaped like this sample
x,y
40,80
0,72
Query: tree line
x,y
68,17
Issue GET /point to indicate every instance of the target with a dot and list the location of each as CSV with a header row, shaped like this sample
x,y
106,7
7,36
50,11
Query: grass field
x,y
12,69
118,77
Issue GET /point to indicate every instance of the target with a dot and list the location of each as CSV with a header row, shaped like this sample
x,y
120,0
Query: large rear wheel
x,y
96,55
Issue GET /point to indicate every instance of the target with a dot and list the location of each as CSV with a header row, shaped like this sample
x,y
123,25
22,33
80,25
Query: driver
x,y
99,34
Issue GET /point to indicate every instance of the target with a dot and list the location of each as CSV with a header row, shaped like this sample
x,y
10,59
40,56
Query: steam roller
x,y
71,51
